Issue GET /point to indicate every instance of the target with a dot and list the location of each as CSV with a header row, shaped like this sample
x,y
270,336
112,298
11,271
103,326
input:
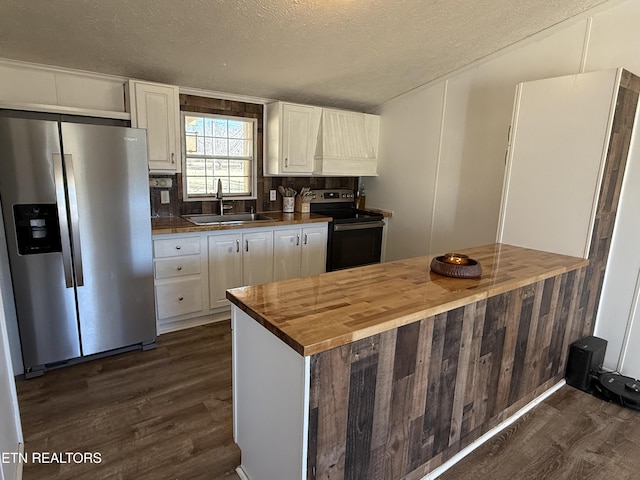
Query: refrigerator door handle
x,y
75,227
61,202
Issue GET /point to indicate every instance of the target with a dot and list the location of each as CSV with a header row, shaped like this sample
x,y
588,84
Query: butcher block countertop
x,y
165,225
321,312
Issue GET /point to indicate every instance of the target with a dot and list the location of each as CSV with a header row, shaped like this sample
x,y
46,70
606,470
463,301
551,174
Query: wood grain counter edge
x,y
169,225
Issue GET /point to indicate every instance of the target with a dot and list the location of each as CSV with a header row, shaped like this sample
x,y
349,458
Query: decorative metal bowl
x,y
456,265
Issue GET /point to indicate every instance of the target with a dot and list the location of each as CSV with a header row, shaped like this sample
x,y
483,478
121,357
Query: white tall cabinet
x,y
558,141
572,186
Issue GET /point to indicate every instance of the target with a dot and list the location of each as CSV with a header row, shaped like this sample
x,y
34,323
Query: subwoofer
x,y
585,362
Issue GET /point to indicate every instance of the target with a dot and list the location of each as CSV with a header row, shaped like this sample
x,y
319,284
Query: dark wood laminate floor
x,y
166,414
571,435
161,414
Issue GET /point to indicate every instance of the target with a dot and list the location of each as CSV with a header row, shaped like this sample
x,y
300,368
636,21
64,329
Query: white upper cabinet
x,y
156,108
292,133
347,144
47,89
304,140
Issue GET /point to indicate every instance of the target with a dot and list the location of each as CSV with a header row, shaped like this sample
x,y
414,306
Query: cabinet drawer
x,y
178,298
177,266
172,247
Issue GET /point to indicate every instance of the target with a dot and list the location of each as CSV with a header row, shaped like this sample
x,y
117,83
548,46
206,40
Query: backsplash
x,y
177,206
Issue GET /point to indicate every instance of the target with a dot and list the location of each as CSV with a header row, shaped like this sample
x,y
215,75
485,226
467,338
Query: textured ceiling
x,y
346,53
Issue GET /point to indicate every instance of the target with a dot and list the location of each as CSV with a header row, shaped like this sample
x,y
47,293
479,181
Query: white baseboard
x,y
433,475
241,474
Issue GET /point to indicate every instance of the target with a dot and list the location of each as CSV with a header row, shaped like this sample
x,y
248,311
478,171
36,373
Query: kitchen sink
x,y
206,219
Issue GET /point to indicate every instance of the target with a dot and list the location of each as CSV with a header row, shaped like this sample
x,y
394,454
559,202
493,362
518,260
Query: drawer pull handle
x,y
178,247
180,299
179,267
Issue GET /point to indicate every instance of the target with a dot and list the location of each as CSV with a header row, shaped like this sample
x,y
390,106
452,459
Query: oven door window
x,y
352,245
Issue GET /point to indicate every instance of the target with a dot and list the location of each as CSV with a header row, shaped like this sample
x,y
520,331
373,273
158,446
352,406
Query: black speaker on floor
x,y
585,361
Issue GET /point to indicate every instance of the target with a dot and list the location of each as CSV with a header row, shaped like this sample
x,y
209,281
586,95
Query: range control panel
x,y
332,196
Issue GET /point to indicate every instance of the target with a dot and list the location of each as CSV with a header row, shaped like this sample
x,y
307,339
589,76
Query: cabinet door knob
x,y
179,267
178,247
180,299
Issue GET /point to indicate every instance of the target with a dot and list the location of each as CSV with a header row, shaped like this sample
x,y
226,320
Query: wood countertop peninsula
x,y
321,312
175,224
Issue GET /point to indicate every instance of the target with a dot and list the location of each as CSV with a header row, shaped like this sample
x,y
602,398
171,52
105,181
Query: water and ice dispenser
x,y
37,228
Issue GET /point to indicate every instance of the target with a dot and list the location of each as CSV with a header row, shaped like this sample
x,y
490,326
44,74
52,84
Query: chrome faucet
x,y
220,197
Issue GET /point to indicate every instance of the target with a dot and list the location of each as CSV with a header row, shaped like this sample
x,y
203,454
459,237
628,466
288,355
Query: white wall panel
x,y
615,39
477,116
407,168
10,428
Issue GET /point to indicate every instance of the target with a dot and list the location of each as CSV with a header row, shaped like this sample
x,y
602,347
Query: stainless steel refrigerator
x,y
75,202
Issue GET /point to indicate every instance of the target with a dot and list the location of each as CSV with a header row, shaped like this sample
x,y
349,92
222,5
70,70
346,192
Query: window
x,y
218,147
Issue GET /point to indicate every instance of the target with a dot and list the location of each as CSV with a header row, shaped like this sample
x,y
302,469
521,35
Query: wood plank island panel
x,y
400,403
321,312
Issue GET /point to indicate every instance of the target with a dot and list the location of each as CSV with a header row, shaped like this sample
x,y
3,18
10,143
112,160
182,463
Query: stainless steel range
x,y
355,236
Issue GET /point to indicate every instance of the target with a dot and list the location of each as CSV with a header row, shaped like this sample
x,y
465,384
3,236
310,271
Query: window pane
x,y
237,129
240,168
218,148
208,127
208,146
219,127
222,168
195,166
190,143
211,186
240,148
221,147
210,167
194,125
196,185
239,185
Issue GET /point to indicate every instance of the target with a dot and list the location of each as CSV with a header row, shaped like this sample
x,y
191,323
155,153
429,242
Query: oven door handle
x,y
339,227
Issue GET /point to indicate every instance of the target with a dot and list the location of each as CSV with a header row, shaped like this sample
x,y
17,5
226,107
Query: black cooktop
x,y
347,215
340,205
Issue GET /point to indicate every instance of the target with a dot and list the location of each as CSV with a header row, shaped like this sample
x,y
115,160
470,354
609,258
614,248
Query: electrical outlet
x,y
272,195
164,196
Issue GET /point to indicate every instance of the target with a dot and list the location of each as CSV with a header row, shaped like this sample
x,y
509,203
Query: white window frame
x,y
254,163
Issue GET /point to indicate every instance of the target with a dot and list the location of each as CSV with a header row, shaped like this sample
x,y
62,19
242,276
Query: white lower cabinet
x,y
237,259
257,257
178,267
225,266
193,271
299,252
178,298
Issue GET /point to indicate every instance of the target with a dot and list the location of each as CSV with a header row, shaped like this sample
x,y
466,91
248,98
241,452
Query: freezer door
x,y
110,219
30,162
